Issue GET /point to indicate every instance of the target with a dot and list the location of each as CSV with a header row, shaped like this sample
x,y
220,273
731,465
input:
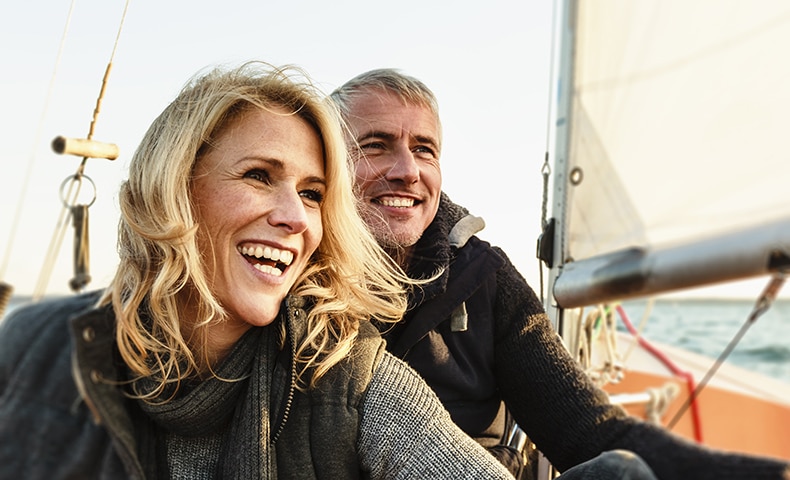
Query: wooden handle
x,y
84,148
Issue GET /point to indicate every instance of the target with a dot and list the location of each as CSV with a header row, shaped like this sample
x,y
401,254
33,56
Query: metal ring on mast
x,y
78,179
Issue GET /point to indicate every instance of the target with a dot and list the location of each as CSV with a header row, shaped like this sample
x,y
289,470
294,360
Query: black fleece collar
x,y
433,252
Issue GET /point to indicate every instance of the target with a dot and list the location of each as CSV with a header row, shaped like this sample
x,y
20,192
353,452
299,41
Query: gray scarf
x,y
216,425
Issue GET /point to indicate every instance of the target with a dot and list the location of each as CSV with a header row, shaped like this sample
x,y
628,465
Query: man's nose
x,y
404,167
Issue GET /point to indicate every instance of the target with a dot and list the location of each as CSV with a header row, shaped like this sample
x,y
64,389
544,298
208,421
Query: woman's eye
x,y
259,175
313,195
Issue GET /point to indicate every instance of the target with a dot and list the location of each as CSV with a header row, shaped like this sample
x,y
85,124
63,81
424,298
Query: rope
x,y
107,72
638,331
600,324
71,196
54,246
546,168
660,401
36,138
695,415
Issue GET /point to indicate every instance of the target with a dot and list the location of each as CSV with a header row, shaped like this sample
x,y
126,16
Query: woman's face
x,y
258,195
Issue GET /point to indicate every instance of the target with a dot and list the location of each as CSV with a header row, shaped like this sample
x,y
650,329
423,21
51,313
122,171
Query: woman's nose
x,y
289,212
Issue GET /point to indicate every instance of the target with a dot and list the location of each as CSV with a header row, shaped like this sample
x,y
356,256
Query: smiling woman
x,y
235,338
258,188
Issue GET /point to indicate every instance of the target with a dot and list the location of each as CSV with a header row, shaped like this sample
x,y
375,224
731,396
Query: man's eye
x,y
372,146
313,195
257,174
423,150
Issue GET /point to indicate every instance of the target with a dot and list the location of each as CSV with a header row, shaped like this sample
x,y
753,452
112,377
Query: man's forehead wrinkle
x,y
378,125
368,112
385,95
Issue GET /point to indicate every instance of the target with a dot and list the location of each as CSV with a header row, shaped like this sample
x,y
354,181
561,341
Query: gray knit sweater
x,y
406,433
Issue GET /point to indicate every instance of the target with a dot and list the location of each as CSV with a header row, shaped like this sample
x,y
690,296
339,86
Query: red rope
x,y
695,416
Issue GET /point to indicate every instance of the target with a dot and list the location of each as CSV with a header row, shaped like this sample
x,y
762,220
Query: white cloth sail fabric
x,y
680,120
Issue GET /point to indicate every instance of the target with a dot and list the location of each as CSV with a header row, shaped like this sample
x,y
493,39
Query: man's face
x,y
397,165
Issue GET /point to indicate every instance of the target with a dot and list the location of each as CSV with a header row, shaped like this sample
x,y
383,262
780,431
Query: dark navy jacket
x,y
480,337
60,417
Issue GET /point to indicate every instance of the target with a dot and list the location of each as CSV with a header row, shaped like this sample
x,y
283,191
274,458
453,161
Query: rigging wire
x,y
36,138
545,169
70,198
764,302
544,467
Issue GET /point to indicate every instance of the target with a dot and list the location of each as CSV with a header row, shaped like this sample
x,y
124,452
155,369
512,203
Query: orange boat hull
x,y
737,411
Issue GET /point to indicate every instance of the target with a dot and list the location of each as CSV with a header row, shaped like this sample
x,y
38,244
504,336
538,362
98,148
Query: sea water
x,y
704,326
707,326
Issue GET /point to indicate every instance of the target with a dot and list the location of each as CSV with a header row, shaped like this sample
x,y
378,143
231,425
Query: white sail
x,y
679,116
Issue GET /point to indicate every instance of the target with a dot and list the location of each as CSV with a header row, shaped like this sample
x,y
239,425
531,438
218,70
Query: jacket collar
x,y
449,231
96,364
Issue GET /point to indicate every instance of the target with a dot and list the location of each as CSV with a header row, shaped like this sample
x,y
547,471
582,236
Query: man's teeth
x,y
396,202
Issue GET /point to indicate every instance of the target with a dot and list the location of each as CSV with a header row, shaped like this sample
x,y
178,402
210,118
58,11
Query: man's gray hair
x,y
409,89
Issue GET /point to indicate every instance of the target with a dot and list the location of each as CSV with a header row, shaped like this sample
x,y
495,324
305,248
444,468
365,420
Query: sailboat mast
x,y
552,245
562,125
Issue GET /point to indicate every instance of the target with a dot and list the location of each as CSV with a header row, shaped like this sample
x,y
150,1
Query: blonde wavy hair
x,y
349,278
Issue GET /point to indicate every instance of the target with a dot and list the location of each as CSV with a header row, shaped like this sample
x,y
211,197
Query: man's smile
x,y
395,201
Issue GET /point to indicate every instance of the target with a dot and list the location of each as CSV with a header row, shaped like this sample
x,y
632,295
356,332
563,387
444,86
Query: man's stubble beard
x,y
395,244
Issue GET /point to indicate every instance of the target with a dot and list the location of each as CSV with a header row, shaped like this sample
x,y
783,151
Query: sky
x,y
488,63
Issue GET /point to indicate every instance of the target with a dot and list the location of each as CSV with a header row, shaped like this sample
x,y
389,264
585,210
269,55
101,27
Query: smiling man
x,y
476,331
397,167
